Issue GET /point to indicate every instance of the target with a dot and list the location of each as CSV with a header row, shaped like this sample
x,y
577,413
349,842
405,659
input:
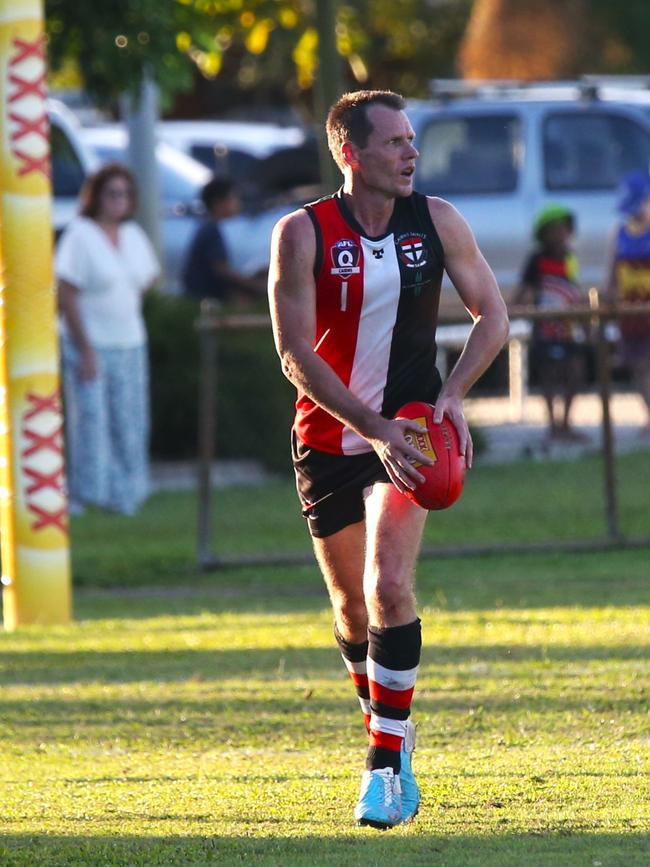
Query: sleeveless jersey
x,y
376,314
633,279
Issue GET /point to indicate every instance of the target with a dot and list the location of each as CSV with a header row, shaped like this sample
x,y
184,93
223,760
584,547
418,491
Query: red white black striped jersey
x,y
376,314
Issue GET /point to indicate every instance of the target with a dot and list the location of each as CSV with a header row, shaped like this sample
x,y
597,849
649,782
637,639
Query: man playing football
x,y
354,288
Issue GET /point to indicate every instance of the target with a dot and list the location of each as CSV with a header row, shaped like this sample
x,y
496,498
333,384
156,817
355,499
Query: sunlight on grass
x,y
187,718
240,728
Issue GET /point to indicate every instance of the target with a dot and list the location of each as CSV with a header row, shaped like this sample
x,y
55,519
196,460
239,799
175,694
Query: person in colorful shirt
x,y
629,279
550,282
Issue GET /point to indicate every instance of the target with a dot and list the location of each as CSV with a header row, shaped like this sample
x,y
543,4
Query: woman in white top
x,y
104,263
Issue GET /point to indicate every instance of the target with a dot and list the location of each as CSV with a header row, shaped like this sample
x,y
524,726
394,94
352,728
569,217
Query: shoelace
x,y
388,789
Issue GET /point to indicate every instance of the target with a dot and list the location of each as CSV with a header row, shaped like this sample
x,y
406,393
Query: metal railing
x,y
212,323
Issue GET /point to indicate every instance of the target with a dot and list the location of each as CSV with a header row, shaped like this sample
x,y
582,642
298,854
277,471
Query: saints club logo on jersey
x,y
345,258
412,249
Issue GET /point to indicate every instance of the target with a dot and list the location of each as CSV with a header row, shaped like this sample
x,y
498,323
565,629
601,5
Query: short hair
x,y
94,184
216,190
347,119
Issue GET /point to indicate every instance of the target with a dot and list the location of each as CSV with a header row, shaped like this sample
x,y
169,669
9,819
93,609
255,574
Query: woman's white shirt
x,y
110,279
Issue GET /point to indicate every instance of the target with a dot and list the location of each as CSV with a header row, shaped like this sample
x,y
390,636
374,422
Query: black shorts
x,y
330,487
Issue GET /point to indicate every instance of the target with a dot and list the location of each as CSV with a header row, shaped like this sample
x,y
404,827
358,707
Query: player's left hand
x,y
451,406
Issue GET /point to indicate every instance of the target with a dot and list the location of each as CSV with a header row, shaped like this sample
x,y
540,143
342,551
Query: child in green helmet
x,y
550,281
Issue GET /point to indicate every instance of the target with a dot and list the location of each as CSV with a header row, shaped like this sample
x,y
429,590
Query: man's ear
x,y
349,153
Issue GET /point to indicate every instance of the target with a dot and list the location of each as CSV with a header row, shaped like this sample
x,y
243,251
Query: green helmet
x,y
551,213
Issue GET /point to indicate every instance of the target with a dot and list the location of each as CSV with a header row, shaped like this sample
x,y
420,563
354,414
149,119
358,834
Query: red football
x,y
444,479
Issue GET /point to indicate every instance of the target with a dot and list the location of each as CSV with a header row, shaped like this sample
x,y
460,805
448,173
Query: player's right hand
x,y
389,440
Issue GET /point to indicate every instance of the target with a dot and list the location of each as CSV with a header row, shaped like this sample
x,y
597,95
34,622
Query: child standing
x,y
550,282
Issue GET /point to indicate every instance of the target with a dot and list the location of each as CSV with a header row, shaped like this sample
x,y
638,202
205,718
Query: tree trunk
x,y
140,117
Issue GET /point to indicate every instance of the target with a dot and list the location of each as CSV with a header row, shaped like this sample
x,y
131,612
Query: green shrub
x,y
254,400
174,361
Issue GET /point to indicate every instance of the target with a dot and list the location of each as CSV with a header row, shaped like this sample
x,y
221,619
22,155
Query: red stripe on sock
x,y
359,679
391,697
382,739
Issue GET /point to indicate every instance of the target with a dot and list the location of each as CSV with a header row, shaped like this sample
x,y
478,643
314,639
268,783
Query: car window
x,y
181,177
67,172
209,155
242,168
260,180
591,151
472,154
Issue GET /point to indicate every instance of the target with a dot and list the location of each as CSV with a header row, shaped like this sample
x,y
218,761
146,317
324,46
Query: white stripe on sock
x,y
398,680
356,667
388,726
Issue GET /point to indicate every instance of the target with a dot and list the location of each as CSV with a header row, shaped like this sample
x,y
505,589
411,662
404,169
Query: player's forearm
x,y
484,343
315,378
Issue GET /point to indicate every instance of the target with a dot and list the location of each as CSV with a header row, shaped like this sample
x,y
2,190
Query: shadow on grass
x,y
129,666
106,718
545,848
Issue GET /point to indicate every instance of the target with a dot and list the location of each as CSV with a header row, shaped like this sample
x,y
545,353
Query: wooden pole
x,y
207,428
607,445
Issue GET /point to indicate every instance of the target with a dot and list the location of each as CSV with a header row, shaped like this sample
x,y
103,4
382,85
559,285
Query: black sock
x,y
354,656
393,659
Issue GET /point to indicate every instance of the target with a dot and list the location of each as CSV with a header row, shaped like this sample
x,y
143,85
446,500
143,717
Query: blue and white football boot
x,y
380,803
410,790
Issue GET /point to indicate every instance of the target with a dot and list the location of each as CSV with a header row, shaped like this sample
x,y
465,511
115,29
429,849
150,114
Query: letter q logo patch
x,y
345,258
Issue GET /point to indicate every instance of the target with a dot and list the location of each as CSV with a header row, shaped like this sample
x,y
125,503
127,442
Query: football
x,y
444,479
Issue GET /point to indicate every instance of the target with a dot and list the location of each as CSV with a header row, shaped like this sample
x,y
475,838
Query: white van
x,y
500,153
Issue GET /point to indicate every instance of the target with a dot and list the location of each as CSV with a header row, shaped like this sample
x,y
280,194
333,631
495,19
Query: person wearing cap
x,y
629,279
550,281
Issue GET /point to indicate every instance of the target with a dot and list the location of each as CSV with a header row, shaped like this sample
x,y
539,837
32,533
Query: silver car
x,y
77,150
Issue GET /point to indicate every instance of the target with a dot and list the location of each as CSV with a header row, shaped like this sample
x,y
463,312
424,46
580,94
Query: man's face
x,y
387,162
557,234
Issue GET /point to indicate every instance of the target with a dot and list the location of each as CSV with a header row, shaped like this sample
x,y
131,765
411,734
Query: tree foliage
x,y
622,36
268,46
255,43
546,39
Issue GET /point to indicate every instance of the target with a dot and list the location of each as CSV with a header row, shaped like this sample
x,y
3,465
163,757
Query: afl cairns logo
x,y
345,258
412,249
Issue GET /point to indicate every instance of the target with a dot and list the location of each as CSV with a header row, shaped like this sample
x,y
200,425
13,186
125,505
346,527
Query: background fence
x,y
612,534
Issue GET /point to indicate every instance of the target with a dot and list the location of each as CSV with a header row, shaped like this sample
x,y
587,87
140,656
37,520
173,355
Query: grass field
x,y
206,719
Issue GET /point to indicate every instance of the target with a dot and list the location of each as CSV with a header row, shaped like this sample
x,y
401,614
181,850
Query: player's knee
x,y
391,596
351,612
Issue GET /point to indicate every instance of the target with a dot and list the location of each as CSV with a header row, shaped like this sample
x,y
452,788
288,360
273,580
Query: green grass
x,y
525,501
208,720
